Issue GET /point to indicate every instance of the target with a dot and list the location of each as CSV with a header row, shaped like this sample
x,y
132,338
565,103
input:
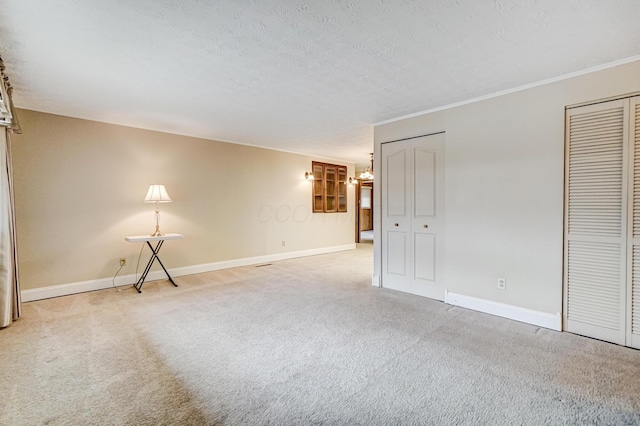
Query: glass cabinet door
x,y
318,188
342,189
330,173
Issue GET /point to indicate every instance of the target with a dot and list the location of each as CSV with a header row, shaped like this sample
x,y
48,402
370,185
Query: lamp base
x,y
157,233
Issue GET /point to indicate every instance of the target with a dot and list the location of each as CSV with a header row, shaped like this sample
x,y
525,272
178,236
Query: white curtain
x,y
9,285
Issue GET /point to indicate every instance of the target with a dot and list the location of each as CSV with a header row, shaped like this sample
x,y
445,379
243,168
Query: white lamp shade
x,y
157,194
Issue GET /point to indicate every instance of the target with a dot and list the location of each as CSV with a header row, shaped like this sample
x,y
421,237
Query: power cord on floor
x,y
113,282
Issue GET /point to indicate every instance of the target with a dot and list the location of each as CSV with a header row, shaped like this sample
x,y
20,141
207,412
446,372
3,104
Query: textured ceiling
x,y
302,76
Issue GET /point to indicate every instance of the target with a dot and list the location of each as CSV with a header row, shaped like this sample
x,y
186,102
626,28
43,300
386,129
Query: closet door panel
x,y
595,221
425,258
396,244
396,188
396,217
634,300
633,277
427,222
424,190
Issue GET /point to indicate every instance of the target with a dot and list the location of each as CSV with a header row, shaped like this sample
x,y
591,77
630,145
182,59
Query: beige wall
x,y
504,186
80,186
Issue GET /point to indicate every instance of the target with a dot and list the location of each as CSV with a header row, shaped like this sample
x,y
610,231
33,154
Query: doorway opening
x,y
364,212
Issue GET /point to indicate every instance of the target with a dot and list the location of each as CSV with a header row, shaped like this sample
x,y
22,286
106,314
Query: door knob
x,y
396,224
425,226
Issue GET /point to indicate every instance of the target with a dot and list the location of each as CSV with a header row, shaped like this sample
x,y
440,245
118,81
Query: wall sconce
x,y
308,176
353,181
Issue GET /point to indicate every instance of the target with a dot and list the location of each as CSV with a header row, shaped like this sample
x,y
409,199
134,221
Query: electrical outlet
x,y
123,261
502,283
283,243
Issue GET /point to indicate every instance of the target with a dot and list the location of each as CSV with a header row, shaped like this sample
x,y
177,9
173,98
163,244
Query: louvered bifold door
x,y
633,276
596,221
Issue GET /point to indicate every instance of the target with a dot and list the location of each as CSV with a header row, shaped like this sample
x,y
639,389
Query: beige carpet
x,y
301,342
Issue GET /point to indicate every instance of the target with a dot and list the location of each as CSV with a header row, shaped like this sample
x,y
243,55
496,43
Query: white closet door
x,y
595,221
396,217
412,182
633,276
427,219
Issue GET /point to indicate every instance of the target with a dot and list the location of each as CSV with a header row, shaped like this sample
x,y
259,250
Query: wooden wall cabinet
x,y
329,188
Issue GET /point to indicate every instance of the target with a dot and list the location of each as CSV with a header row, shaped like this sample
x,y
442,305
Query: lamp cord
x,y
113,282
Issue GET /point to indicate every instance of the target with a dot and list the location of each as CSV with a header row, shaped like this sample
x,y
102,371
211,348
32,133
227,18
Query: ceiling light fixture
x,y
367,173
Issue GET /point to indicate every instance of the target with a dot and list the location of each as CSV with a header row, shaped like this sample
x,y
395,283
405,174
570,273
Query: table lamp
x,y
157,194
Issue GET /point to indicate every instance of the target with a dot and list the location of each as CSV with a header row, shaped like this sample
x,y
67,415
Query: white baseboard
x,y
102,283
541,319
